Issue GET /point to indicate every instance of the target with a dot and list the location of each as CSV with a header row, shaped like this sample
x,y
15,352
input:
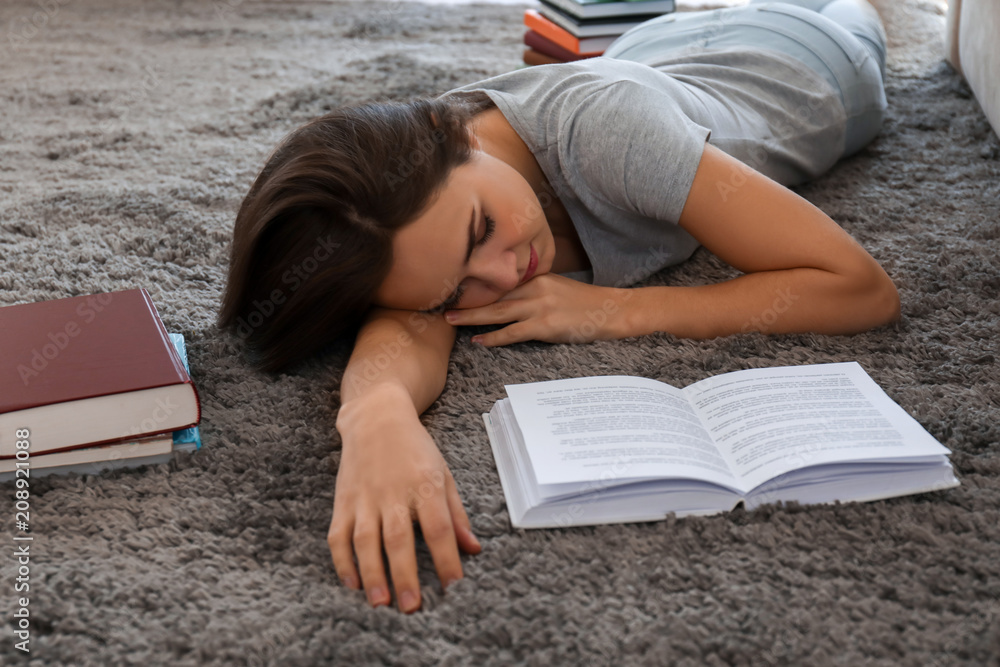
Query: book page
x,y
613,428
769,421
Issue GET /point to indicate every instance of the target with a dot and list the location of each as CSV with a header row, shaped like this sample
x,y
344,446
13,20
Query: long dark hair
x,y
312,240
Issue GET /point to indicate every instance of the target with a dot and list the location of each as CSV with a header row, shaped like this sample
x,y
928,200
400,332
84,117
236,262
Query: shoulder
x,y
558,80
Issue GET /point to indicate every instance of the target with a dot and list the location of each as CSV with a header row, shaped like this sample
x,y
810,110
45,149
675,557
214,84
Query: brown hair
x,y
312,240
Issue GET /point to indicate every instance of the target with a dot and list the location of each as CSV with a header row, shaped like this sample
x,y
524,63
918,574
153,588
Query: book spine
x,y
533,57
175,358
546,28
613,8
549,48
190,435
587,48
606,24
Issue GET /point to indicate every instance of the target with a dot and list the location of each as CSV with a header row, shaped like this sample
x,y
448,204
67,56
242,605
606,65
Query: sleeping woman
x,y
532,201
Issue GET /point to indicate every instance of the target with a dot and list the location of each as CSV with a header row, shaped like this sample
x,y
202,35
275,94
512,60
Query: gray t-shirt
x,y
620,141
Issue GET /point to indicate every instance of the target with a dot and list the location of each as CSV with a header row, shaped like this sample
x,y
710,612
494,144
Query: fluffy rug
x,y
130,131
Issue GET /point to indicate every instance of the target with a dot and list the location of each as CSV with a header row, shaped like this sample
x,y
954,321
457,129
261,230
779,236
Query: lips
x,y
532,264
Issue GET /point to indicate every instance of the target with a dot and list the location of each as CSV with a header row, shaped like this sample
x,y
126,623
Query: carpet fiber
x,y
130,131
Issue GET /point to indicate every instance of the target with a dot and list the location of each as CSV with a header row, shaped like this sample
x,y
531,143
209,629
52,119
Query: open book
x,y
616,449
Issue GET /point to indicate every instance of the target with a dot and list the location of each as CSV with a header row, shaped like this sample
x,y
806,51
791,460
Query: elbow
x,y
863,297
877,301
887,307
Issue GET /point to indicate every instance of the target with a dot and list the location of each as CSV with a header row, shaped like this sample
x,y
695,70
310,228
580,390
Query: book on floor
x,y
186,439
616,449
89,370
592,27
93,460
546,47
127,453
585,9
533,57
589,46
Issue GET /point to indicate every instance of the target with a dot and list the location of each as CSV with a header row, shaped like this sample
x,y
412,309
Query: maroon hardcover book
x,y
532,57
550,48
87,370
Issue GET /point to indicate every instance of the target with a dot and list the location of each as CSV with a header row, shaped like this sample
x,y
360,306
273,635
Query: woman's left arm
x,y
802,273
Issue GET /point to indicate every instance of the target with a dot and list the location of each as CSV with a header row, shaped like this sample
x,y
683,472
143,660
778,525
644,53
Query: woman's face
x,y
487,206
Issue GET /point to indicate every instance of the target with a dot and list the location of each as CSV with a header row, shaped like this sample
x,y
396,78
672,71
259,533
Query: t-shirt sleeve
x,y
630,145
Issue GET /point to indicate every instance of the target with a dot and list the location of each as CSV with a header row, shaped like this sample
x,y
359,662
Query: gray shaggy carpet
x,y
130,131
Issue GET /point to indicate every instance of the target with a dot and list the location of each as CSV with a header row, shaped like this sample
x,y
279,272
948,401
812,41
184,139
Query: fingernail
x,y
477,339
350,582
450,316
376,595
408,601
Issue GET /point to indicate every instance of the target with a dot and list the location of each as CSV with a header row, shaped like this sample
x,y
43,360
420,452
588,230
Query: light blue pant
x,y
842,40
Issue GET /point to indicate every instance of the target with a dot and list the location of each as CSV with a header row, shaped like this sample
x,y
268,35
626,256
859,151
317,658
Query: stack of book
x,y
567,30
91,383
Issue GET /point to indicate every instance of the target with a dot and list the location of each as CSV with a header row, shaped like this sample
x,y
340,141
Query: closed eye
x,y
490,226
456,296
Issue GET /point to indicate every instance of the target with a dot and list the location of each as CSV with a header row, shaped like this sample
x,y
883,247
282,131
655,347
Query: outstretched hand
x,y
550,308
392,474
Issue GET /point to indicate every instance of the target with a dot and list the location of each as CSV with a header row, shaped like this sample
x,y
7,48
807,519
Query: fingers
x,y
439,534
368,546
514,333
467,541
401,550
498,312
446,529
340,539
445,526
365,530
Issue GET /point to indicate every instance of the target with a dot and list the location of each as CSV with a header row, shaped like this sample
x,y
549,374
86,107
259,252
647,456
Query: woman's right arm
x,y
391,472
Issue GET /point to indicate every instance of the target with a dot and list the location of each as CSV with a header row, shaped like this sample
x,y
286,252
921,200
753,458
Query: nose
x,y
497,271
